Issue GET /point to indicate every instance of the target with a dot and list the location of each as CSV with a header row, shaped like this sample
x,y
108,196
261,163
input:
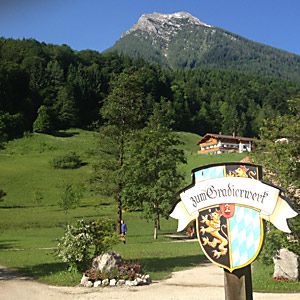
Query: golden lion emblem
x,y
214,228
242,172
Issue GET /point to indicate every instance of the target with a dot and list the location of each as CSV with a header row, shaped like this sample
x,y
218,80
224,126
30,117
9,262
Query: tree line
x,y
46,87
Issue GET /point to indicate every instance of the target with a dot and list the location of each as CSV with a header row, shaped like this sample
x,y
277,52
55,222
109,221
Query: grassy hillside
x,y
34,187
31,220
30,216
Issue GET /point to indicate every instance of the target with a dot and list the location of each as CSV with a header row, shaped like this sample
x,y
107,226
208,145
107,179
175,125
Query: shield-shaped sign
x,y
230,235
230,202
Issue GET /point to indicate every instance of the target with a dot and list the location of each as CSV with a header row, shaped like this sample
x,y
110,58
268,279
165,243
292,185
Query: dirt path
x,y
204,282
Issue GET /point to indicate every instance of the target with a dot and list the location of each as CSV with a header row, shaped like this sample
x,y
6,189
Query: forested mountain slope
x,y
181,41
45,87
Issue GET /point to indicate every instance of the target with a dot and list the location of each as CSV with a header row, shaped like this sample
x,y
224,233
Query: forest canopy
x,y
46,87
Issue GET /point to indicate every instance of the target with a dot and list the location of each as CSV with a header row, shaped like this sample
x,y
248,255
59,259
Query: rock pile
x,y
142,280
108,269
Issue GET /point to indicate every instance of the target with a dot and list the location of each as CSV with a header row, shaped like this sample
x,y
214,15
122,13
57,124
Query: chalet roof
x,y
221,136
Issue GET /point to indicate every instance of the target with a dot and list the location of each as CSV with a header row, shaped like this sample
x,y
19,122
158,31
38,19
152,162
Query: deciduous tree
x,y
278,151
125,110
152,177
42,123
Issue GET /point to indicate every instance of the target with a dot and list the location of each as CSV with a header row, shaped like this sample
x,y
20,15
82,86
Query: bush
x,y
2,194
84,240
70,197
67,161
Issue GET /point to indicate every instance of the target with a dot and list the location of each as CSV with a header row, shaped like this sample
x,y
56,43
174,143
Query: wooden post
x,y
238,284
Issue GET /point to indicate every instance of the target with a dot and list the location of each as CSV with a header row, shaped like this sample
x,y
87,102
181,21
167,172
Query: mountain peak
x,y
164,25
181,41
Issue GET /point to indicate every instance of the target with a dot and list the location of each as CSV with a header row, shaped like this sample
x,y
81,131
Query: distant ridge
x,y
182,41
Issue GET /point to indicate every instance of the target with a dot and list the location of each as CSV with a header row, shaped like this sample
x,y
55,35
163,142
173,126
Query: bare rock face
x,y
286,265
107,261
164,26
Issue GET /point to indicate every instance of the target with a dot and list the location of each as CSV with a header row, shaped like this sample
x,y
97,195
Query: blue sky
x,y
98,24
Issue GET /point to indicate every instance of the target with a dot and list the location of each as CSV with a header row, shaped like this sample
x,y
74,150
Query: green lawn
x,y
30,218
262,280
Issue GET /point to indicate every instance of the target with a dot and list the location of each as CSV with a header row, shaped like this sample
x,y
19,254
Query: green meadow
x,y
31,220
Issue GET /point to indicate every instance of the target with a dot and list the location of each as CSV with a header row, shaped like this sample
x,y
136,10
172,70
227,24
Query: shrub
x,y
81,241
67,161
2,194
70,196
103,233
38,197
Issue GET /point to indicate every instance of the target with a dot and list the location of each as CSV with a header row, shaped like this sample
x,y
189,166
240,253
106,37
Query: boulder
x,y
286,265
107,261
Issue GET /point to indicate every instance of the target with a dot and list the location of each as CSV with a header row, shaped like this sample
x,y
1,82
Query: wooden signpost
x,y
230,203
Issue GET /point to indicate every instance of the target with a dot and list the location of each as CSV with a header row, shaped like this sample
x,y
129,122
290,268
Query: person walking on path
x,y
123,231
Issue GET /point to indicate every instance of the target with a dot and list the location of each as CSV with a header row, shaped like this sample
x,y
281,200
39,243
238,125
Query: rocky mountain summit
x,y
163,26
182,41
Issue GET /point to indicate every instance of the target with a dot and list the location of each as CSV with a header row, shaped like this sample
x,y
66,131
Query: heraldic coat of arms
x,y
229,203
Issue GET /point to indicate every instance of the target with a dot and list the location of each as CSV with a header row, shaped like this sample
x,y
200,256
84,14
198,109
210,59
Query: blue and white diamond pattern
x,y
245,235
209,173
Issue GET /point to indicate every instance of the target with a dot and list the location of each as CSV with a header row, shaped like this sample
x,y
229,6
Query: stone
x,y
131,283
97,283
138,281
105,282
286,265
107,261
112,282
147,279
88,284
84,280
121,282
